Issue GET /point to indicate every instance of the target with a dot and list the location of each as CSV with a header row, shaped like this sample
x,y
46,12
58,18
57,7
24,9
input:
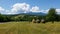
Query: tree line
x,y
50,17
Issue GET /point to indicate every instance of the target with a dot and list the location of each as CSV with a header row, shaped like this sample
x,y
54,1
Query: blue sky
x,y
41,4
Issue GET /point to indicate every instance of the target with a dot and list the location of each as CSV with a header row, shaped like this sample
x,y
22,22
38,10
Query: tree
x,y
52,15
1,18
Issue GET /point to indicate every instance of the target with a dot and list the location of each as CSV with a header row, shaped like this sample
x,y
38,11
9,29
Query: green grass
x,y
29,28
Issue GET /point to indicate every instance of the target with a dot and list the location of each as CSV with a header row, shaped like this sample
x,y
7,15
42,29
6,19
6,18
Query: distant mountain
x,y
28,13
34,13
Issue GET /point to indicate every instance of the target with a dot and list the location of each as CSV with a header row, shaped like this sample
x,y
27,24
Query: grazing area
x,y
29,28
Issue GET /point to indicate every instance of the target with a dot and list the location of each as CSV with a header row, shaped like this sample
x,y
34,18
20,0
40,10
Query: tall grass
x,y
30,28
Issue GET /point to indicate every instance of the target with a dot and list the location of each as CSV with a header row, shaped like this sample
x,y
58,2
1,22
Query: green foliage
x,y
2,18
52,15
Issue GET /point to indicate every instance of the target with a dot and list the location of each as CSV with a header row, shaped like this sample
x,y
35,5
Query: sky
x,y
25,6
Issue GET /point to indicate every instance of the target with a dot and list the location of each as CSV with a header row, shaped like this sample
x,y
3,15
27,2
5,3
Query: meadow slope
x,y
29,28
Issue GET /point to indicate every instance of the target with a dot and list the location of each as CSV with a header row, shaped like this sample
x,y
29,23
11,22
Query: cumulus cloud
x,y
35,9
1,9
46,11
58,11
24,8
16,9
20,7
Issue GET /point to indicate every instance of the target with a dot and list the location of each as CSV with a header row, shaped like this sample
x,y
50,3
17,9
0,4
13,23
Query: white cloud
x,y
35,9
58,11
10,12
46,11
23,8
20,7
1,9
17,8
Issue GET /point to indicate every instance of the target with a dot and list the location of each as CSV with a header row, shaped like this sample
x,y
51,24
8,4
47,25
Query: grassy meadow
x,y
29,28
